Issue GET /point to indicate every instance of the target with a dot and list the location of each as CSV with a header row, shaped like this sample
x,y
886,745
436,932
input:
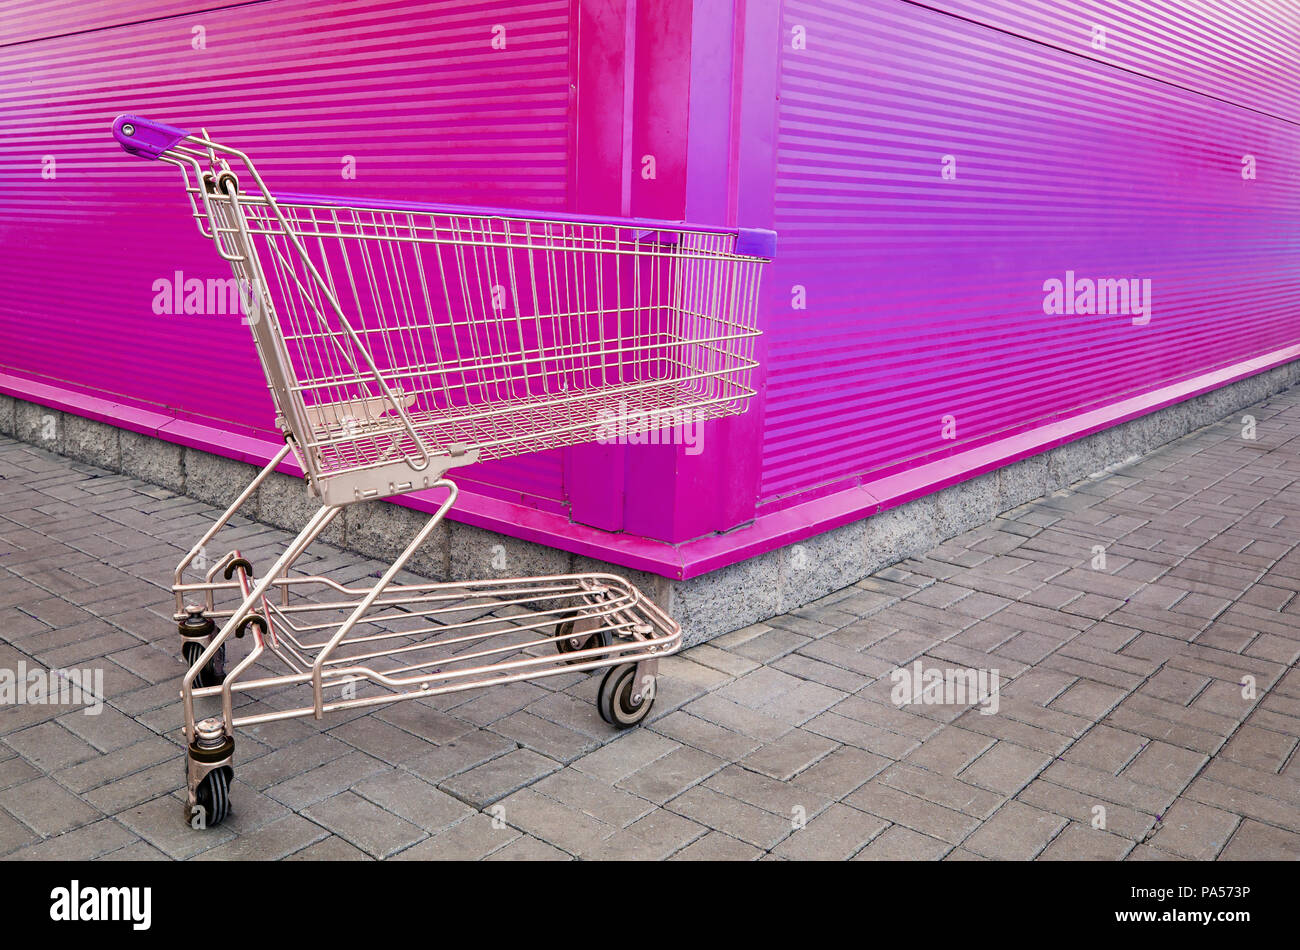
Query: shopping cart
x,y
400,340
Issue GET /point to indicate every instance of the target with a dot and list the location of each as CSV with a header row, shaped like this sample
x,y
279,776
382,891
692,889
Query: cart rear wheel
x,y
568,642
614,701
209,675
213,796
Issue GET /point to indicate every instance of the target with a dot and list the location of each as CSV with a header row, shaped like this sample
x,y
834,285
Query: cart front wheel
x,y
615,699
213,796
210,675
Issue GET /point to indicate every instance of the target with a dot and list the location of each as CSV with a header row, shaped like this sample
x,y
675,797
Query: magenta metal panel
x,y
416,97
926,295
25,20
1242,51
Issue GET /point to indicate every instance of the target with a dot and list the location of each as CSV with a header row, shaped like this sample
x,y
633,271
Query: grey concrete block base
x,y
95,443
153,460
901,532
706,606
38,425
284,501
7,404
383,531
217,480
1022,481
743,593
473,552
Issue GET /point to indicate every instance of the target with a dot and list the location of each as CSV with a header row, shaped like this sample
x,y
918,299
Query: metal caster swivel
x,y
209,773
580,633
196,633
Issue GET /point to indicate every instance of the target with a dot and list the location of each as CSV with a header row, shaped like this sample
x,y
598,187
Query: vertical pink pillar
x,y
634,82
674,495
689,151
604,57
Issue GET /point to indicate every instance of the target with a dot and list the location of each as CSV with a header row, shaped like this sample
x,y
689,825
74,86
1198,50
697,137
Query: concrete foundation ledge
x,y
706,606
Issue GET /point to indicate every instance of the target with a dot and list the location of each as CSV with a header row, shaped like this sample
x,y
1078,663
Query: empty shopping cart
x,y
400,340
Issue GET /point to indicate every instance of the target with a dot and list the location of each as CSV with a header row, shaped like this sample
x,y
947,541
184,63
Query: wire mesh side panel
x,y
508,335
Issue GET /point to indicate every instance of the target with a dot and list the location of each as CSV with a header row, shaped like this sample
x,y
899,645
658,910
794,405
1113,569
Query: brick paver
x,y
1147,708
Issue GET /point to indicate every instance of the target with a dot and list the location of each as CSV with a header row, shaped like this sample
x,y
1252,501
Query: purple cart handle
x,y
144,137
756,242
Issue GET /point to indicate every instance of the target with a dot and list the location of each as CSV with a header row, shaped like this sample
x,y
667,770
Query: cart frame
x,y
350,411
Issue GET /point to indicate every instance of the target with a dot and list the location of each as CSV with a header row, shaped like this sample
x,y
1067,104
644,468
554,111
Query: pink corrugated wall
x,y
414,92
924,295
1241,51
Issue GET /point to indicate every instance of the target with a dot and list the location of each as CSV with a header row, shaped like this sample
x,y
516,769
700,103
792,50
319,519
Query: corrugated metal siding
x,y
413,91
25,20
1244,51
925,296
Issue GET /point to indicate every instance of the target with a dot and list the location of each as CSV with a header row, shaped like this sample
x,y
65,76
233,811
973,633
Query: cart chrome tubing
x,y
387,578
401,340
313,528
218,192
649,634
178,584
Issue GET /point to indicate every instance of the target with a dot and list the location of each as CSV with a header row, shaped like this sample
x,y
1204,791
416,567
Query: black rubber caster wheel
x,y
213,795
213,671
614,701
568,642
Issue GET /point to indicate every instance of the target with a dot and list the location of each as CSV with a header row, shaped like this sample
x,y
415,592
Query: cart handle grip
x,y
144,137
756,242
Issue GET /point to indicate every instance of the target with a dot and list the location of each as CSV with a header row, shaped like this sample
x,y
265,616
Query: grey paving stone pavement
x,y
1143,626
